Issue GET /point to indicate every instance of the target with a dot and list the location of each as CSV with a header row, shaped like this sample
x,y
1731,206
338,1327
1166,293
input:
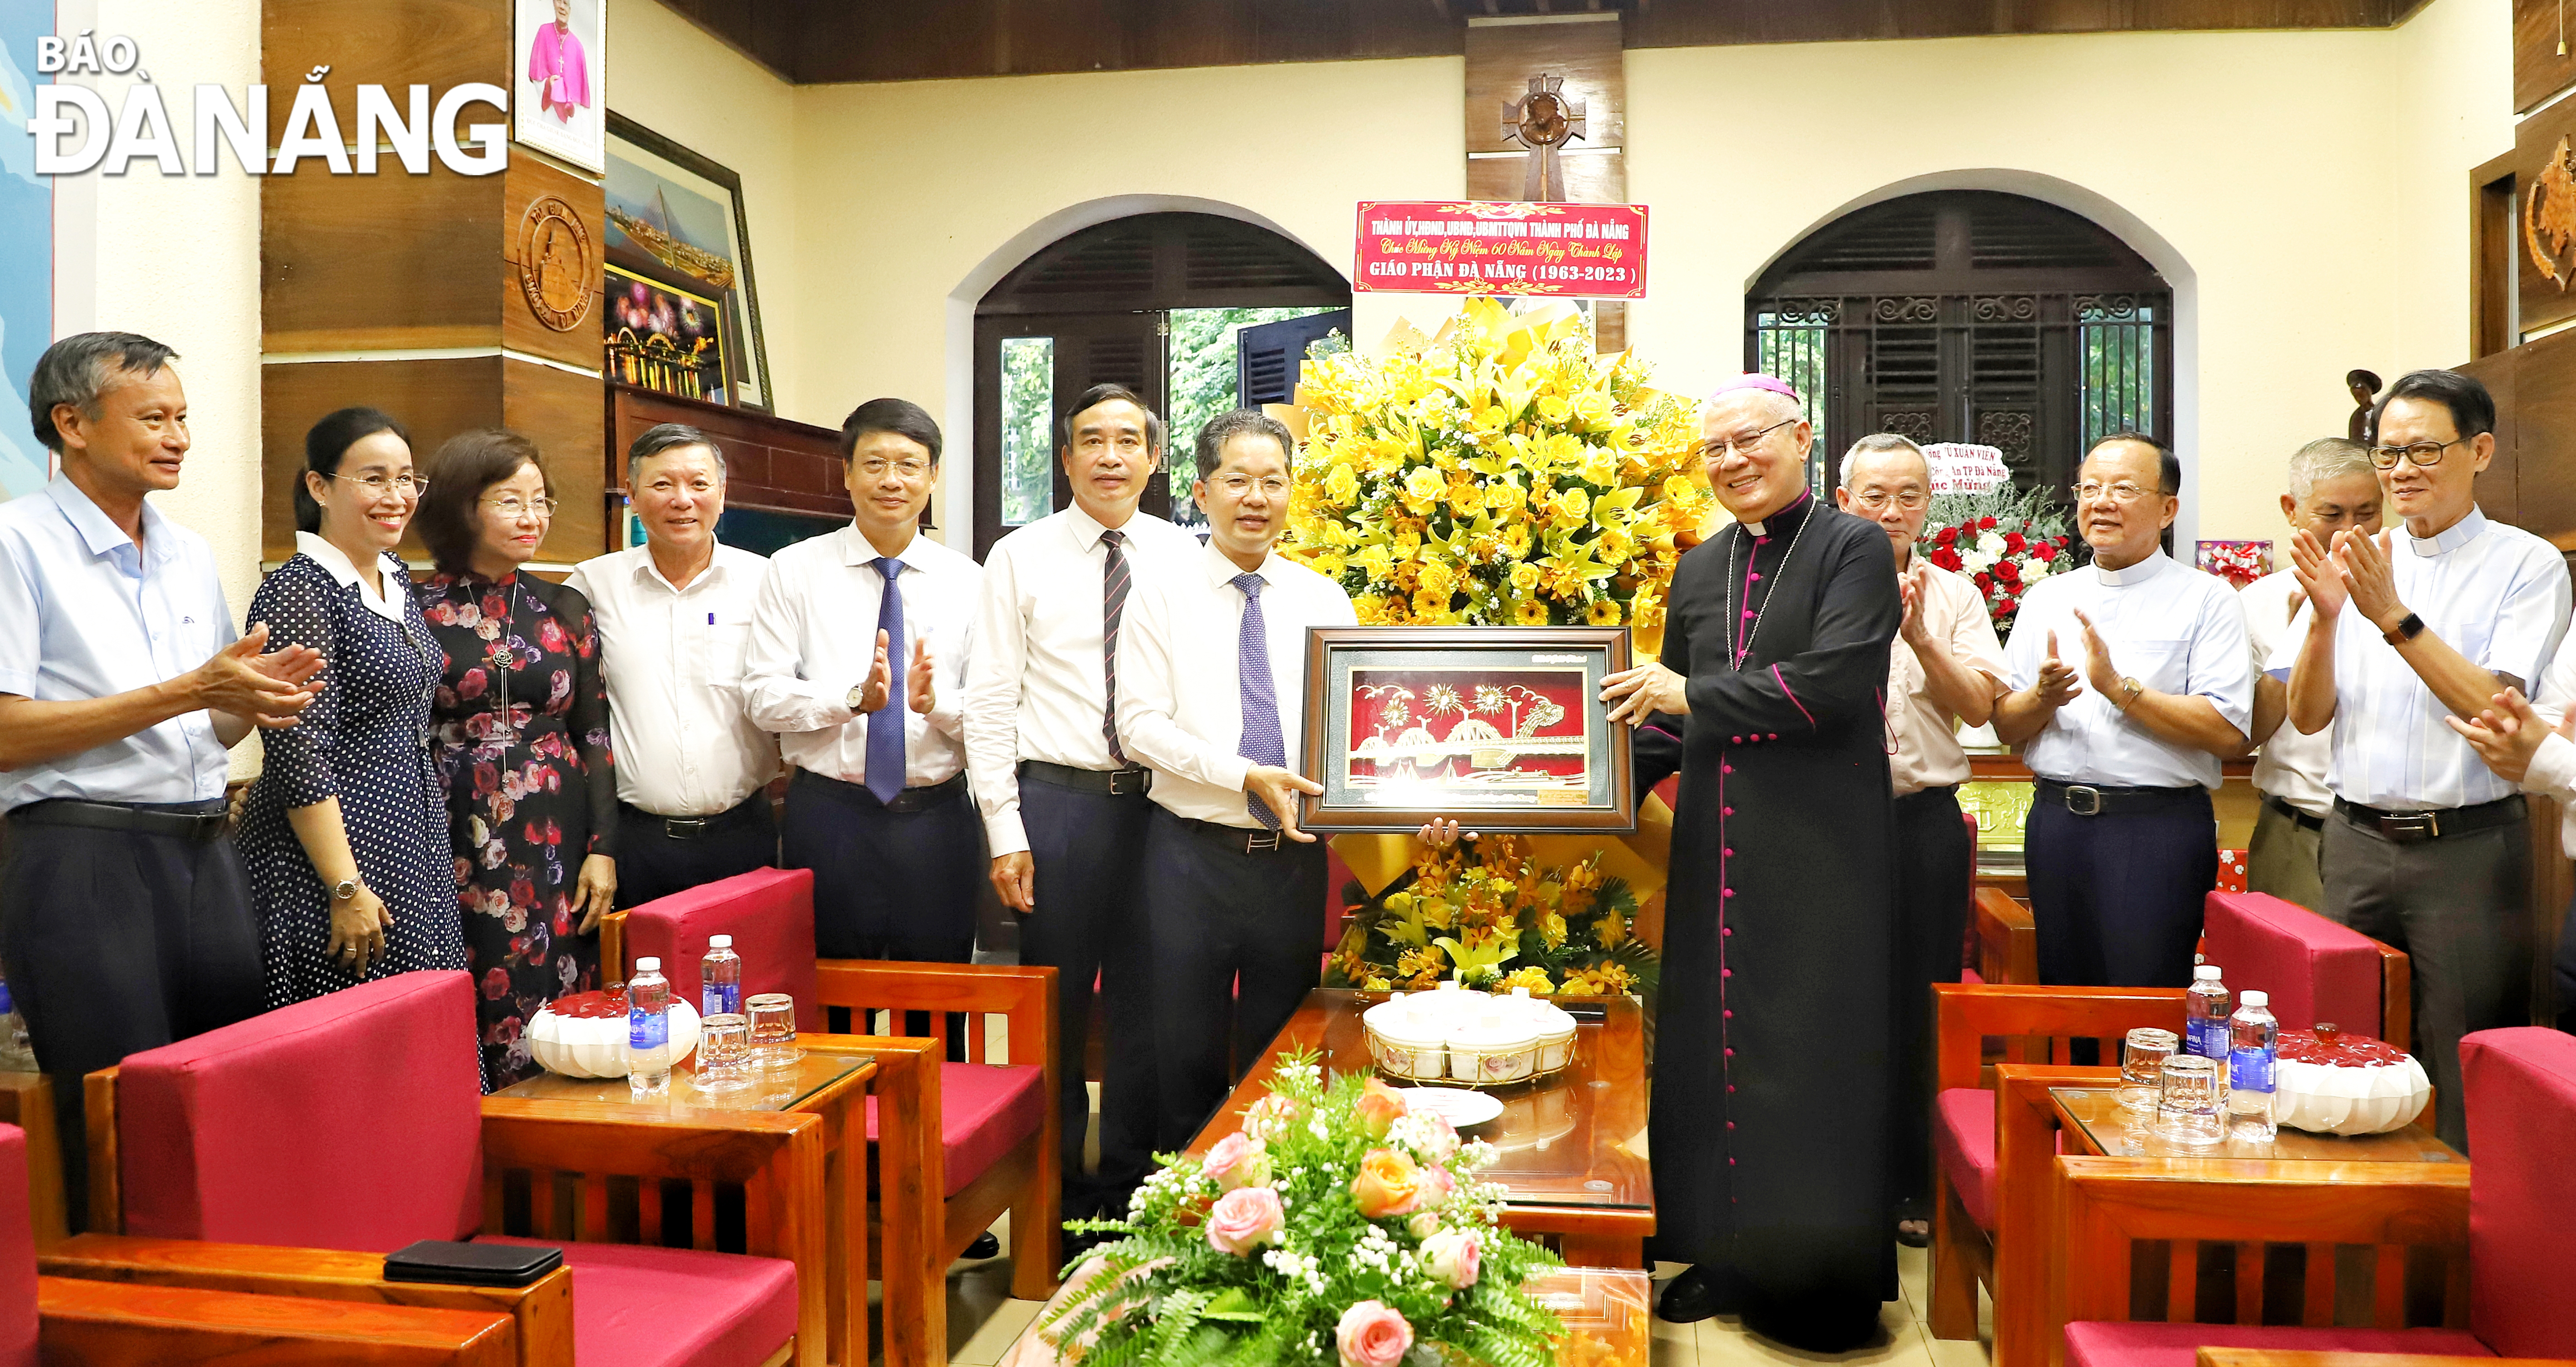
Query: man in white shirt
x,y
2532,744
2428,849
1211,688
2131,679
1946,668
1064,804
857,661
2332,488
674,619
125,917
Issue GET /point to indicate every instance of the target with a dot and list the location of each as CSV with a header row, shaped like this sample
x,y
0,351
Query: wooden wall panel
x,y
2535,146
2500,485
350,263
1586,52
2538,70
392,43
770,462
561,412
2543,393
531,178
1588,180
436,399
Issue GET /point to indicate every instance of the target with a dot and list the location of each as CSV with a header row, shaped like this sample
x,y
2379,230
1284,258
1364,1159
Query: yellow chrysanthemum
x,y
1604,612
1530,613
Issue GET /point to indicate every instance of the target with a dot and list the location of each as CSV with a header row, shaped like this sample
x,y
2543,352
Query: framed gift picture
x,y
663,338
1497,727
558,76
677,217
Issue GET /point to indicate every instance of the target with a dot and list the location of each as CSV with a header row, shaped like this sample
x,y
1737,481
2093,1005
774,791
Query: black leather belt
x,y
2282,805
695,827
2410,828
910,800
1239,839
1132,781
187,820
2093,799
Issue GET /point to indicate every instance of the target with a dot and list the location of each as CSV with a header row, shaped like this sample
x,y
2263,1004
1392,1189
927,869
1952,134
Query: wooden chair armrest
x,y
2007,939
609,1139
2105,1204
612,947
2278,1357
870,984
2396,996
27,1101
541,1312
103,1322
1964,1015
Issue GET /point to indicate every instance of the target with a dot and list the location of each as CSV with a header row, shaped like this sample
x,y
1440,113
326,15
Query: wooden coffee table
x,y
1572,1147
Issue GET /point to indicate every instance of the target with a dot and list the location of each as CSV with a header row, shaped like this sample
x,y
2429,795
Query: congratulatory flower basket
x,y
1337,1229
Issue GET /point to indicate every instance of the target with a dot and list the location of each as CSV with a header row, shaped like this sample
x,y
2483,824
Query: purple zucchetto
x,y
1772,383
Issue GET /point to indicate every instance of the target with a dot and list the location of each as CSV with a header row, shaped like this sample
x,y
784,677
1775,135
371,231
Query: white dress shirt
x,y
2170,627
2496,594
2291,766
2553,770
384,598
86,613
814,638
1180,703
673,660
1035,689
1926,735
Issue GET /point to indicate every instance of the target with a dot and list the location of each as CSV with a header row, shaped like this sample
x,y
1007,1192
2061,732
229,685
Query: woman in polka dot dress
x,y
345,836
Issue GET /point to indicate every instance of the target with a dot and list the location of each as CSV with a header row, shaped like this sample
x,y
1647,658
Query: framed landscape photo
x,y
1498,727
677,217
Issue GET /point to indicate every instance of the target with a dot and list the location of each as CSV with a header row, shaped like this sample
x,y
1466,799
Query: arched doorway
x,y
1187,309
1973,316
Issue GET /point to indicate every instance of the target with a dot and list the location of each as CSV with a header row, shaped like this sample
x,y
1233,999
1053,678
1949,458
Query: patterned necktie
x,y
1262,742
885,725
1113,604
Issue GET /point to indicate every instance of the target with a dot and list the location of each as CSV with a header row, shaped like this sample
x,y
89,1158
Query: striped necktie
x,y
1262,741
885,725
1113,605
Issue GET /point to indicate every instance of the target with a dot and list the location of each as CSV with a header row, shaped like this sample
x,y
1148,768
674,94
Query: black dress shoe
x,y
1687,1298
985,1246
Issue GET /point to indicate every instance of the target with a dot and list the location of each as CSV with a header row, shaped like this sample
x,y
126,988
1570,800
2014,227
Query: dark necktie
x,y
885,725
1113,604
1262,742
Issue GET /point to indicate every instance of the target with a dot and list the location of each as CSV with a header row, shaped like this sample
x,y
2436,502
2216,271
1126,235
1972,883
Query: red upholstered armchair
x,y
2471,1260
287,1153
953,1145
2314,969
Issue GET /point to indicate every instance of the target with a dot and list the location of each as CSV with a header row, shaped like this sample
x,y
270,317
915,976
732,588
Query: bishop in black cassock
x,y
1773,1072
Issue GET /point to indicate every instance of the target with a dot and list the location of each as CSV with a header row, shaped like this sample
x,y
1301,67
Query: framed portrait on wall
x,y
1497,727
558,77
677,216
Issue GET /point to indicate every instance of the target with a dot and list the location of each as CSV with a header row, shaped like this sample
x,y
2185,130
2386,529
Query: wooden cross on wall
x,y
1543,120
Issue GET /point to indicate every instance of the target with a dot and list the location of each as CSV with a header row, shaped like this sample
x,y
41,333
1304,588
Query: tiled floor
x,y
983,1322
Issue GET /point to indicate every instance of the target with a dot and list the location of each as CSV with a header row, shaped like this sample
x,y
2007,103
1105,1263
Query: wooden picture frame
x,y
1496,727
641,162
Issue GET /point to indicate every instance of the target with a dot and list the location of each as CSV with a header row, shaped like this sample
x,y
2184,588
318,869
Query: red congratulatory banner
x,y
1595,251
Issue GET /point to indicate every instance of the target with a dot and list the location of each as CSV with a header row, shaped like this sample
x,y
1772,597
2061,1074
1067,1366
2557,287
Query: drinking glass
x,y
773,1030
2142,1065
2192,1108
724,1053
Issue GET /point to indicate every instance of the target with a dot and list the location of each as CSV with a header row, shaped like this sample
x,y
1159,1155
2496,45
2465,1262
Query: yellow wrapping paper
x,y
1642,860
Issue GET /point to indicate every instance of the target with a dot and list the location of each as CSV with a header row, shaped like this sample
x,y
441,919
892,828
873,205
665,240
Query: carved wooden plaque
x,y
557,263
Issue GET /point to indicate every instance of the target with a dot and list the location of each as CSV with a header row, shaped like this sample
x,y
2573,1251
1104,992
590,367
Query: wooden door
x,y
1019,358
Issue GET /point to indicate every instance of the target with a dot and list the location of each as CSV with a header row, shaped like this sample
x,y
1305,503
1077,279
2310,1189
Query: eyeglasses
x,y
2123,492
516,507
909,469
1725,445
1272,486
2425,454
376,484
1876,500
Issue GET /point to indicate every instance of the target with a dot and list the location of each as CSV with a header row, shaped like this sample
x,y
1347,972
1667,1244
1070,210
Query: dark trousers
x,y
1934,860
2456,906
653,863
2116,898
887,885
116,942
1238,942
1089,922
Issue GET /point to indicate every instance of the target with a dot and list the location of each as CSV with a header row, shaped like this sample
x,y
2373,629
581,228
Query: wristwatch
x,y
346,890
2408,628
858,694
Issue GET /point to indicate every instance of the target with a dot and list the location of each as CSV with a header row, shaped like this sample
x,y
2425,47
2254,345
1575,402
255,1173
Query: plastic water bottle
x,y
720,979
2204,1014
2253,1059
16,1054
648,1030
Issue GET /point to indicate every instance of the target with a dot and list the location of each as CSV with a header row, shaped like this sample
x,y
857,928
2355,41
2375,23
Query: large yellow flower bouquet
x,y
1495,913
1497,474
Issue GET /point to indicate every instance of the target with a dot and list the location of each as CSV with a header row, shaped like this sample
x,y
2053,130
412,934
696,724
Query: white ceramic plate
x,y
1459,1106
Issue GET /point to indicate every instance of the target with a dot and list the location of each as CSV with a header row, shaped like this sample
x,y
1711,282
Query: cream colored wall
x,y
2302,190
916,197
729,109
